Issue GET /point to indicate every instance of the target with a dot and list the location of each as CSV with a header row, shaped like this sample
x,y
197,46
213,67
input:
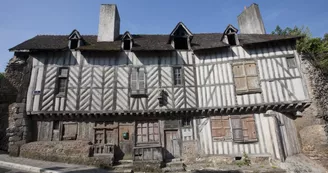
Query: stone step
x,y
126,165
173,169
121,171
180,163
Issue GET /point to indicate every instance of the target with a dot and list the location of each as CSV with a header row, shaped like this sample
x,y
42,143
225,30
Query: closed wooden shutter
x,y
237,129
220,127
141,78
246,77
249,128
70,131
134,81
240,78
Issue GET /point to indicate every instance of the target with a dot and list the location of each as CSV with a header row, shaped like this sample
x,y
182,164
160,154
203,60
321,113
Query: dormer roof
x,y
127,35
230,29
75,34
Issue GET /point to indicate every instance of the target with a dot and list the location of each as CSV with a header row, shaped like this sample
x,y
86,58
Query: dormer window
x,y
181,37
127,41
232,39
75,40
230,36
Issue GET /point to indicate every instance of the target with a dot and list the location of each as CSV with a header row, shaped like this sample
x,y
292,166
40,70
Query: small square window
x,y
127,44
186,122
291,62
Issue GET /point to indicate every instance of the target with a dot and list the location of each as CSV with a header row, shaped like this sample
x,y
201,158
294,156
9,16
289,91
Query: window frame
x,y
189,123
175,77
245,76
220,118
242,118
148,133
289,65
137,92
59,77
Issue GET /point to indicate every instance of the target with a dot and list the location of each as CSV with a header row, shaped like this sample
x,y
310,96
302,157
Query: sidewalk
x,y
36,166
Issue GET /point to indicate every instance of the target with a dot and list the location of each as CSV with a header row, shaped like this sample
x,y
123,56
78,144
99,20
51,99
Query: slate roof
x,y
142,42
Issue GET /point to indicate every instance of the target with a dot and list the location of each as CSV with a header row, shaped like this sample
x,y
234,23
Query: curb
x,y
26,167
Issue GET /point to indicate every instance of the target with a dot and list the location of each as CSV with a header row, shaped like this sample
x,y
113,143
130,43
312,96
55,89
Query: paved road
x,y
5,170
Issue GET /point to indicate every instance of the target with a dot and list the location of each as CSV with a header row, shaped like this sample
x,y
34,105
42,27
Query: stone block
x,y
13,150
18,122
14,138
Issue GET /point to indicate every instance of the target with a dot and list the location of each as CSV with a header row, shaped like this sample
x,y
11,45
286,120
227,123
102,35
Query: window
x,y
243,128
186,122
62,81
127,45
56,125
147,132
181,43
291,62
246,77
220,127
138,84
232,39
177,75
74,43
69,131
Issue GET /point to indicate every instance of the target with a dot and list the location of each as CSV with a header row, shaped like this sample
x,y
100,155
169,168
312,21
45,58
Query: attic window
x,y
181,43
74,43
127,45
232,39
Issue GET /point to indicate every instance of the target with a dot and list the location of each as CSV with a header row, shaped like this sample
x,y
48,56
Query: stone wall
x,y
19,129
189,151
78,152
312,126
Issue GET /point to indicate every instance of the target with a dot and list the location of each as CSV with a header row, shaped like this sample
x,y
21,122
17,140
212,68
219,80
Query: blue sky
x,y
22,19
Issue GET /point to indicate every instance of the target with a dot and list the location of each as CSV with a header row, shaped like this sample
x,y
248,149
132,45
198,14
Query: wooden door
x,y
172,146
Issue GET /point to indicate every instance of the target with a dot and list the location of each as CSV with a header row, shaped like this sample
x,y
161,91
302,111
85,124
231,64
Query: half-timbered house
x,y
159,97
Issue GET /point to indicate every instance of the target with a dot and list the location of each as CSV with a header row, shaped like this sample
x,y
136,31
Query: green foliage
x,y
2,75
244,162
314,49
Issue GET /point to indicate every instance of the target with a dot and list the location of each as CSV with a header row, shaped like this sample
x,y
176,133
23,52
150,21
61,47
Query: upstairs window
x,y
232,39
230,36
246,77
74,44
62,81
126,45
181,37
177,75
138,81
291,62
181,43
127,41
75,40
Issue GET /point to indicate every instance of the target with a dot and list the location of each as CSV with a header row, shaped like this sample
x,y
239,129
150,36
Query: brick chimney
x,y
109,23
250,21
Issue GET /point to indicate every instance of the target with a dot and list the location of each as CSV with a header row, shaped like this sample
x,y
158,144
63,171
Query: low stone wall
x,y
189,151
77,152
315,143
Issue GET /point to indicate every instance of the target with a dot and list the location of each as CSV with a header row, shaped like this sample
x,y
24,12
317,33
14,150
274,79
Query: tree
x,y
314,49
1,75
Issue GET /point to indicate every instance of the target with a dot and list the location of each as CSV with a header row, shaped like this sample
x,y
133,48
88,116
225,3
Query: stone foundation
x,y
18,130
77,152
189,151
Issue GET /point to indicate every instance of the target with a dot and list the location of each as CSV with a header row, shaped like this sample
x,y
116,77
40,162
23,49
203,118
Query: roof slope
x,y
142,42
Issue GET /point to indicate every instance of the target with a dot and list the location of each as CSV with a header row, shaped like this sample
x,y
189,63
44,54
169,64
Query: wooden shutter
x,y
251,73
237,129
141,78
220,127
249,128
239,76
134,81
70,131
